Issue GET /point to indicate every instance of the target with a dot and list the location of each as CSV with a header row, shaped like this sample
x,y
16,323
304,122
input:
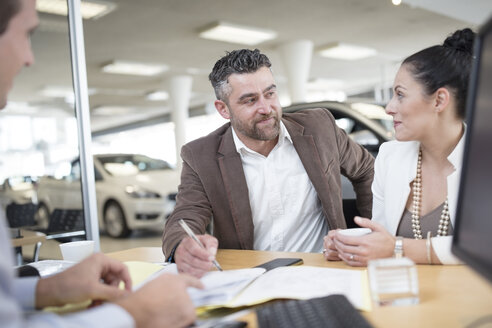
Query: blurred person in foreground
x,y
417,176
266,180
161,303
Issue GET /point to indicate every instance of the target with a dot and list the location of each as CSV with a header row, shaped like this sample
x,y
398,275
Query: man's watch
x,y
398,252
170,258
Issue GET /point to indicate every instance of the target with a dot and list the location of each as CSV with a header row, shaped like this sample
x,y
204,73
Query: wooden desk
x,y
450,296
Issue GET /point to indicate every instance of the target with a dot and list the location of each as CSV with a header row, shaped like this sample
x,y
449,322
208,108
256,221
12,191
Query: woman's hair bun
x,y
461,40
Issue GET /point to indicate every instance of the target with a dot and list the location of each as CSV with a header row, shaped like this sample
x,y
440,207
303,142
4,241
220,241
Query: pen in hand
x,y
193,236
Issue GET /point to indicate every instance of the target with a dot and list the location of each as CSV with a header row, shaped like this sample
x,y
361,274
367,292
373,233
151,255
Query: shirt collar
x,y
456,156
240,146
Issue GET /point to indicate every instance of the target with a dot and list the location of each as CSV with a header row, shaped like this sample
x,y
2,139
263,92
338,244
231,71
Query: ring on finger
x,y
351,257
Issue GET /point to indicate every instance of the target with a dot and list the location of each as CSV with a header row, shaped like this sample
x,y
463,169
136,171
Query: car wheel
x,y
42,217
114,221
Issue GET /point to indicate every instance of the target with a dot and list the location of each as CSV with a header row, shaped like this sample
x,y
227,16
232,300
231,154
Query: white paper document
x,y
222,286
234,288
48,268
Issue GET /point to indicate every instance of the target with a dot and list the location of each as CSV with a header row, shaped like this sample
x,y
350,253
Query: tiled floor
x,y
142,238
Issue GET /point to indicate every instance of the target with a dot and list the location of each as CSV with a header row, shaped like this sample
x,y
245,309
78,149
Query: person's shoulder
x,y
397,149
308,114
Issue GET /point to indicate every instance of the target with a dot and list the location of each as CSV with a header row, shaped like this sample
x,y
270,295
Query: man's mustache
x,y
264,118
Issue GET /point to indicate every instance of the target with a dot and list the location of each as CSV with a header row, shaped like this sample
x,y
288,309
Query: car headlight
x,y
139,192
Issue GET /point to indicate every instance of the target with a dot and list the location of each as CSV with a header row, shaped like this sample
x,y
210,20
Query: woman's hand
x,y
358,250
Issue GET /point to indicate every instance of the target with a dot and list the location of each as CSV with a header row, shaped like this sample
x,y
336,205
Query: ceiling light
x,y
134,68
17,107
237,34
345,51
157,96
112,110
54,91
88,9
64,92
57,91
396,2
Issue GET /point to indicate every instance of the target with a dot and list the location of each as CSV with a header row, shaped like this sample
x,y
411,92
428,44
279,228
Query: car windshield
x,y
119,165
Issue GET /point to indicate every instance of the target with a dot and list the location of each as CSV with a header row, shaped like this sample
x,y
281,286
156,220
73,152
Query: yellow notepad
x,y
141,271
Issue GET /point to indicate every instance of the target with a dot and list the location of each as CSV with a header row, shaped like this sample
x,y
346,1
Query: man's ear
x,y
441,99
222,109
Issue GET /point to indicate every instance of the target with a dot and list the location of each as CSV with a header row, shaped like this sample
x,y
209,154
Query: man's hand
x,y
95,278
194,260
163,302
330,251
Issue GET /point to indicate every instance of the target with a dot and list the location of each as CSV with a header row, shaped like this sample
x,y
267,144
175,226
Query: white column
x,y
180,94
297,56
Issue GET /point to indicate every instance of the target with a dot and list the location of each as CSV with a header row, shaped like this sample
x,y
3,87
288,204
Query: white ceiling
x,y
165,31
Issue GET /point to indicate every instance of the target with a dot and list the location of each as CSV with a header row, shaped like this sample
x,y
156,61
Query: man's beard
x,y
254,132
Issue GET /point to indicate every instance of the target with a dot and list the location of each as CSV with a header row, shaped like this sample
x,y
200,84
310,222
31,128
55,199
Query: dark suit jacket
x,y
213,184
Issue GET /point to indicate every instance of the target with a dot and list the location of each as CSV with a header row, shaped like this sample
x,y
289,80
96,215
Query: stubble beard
x,y
254,132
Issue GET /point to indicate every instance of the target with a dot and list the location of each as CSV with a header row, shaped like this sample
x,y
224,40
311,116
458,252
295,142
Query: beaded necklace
x,y
417,195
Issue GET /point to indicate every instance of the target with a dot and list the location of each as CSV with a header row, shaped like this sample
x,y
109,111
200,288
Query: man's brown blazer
x,y
213,185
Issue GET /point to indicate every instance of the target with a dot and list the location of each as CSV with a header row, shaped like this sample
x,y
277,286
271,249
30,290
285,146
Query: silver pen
x,y
193,236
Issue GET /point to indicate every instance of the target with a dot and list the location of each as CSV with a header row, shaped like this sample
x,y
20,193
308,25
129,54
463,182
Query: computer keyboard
x,y
330,311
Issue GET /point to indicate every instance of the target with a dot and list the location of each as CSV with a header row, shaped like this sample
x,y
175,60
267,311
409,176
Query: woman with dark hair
x,y
416,178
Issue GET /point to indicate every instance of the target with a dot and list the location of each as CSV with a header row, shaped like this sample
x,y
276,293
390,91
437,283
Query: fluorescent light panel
x,y
58,91
346,51
112,110
232,33
134,68
157,96
17,107
88,9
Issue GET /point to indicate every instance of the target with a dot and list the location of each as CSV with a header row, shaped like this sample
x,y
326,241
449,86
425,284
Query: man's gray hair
x,y
235,62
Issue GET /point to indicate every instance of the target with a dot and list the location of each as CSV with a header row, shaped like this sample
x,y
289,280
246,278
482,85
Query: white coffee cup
x,y
76,251
355,231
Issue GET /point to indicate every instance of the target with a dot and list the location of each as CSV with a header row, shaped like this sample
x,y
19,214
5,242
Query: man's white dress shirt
x,y
287,213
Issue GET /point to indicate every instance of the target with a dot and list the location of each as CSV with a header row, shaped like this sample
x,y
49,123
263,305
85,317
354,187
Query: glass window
x,y
38,138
